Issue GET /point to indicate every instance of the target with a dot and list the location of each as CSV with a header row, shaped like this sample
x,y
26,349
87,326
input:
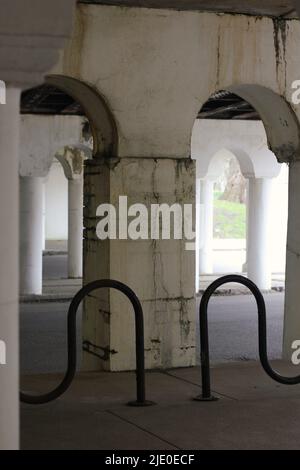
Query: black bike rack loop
x,y
72,353
262,335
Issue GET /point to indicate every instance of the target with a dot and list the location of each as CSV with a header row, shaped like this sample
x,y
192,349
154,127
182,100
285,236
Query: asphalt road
x,y
232,320
233,327
55,267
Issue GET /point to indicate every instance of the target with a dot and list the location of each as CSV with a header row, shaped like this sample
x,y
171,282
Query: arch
x,y
280,122
246,141
102,122
212,166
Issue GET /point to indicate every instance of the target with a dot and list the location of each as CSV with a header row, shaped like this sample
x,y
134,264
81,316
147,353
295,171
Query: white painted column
x,y
9,253
258,257
206,226
292,280
75,227
31,235
44,214
245,265
198,234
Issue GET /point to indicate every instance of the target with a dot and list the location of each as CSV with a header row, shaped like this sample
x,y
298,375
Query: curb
x,y
31,299
232,292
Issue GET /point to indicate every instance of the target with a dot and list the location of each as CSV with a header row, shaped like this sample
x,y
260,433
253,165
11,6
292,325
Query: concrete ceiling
x,y
274,8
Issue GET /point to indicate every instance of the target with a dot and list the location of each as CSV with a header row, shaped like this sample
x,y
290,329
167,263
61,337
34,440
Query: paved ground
x,y
233,331
253,412
233,323
234,326
55,266
43,337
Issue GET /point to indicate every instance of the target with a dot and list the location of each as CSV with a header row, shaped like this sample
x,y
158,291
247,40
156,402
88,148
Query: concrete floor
x,y
253,412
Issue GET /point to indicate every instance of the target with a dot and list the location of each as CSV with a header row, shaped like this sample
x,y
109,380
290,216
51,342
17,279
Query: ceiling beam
x,y
271,8
223,110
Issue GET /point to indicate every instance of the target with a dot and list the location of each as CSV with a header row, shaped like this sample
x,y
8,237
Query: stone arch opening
x,y
279,120
248,106
102,122
61,112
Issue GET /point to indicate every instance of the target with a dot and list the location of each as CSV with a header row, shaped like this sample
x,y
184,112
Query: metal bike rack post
x,y
262,335
72,353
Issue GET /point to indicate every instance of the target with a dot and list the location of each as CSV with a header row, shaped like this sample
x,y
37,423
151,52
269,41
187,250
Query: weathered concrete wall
x,y
161,272
157,67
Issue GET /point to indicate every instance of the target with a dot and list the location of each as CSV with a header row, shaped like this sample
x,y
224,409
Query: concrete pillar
x,y
206,226
292,280
31,235
198,232
161,272
44,214
259,266
75,227
9,252
245,265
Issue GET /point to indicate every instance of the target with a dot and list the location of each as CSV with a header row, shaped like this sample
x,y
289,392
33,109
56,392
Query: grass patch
x,y
229,219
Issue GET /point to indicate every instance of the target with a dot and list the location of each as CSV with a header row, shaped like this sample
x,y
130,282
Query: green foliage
x,y
229,219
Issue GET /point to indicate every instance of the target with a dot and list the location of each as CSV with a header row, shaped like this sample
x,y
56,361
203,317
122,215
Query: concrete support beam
x,y
206,226
31,235
198,234
292,281
72,160
75,227
161,272
258,260
44,214
9,301
30,44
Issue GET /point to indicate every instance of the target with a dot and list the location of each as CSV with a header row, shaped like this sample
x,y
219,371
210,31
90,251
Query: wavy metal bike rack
x,y
262,335
72,353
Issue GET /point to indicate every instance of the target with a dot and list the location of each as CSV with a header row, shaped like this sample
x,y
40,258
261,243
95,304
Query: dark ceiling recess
x,y
46,99
226,105
272,8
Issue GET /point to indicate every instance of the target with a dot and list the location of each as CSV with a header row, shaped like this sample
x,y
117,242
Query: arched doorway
x,y
53,108
252,103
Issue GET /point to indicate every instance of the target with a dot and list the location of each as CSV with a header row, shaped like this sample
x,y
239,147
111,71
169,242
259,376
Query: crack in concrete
x,y
168,373
126,420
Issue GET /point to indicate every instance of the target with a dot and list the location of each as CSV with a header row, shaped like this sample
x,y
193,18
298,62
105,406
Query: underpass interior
x,y
150,151
233,332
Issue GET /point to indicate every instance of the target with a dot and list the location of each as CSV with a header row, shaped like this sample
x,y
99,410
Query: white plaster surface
x,y
43,136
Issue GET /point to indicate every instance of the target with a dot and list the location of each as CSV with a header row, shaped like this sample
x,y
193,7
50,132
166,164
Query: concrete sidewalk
x,y
253,411
55,290
64,289
278,282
